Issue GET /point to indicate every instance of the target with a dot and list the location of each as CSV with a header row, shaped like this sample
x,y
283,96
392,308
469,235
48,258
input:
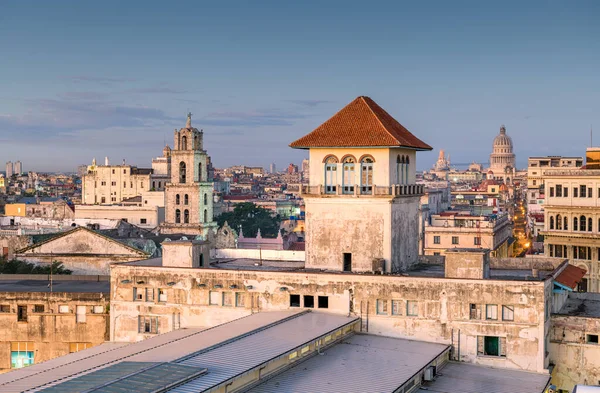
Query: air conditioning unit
x,y
378,265
429,373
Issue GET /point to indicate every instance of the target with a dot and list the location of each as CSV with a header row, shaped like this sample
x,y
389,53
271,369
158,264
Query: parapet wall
x,y
266,255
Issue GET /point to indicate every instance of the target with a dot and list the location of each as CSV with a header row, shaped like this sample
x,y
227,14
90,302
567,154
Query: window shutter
x,y
480,345
503,346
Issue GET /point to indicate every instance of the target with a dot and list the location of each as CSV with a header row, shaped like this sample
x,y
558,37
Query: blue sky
x,y
91,79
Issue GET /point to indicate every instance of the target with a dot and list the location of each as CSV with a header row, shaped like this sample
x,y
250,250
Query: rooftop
x,y
582,304
361,123
58,285
470,378
360,363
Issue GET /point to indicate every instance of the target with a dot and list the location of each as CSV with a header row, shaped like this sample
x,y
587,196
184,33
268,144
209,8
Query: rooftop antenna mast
x,y
591,137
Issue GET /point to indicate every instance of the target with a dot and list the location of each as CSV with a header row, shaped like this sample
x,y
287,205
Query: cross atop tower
x,y
188,124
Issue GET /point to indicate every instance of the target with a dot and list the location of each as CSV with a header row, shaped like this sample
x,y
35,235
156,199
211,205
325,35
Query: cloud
x,y
83,95
104,80
251,119
156,90
309,103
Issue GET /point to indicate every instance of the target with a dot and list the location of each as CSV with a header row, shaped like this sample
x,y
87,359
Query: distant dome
x,y
502,156
503,141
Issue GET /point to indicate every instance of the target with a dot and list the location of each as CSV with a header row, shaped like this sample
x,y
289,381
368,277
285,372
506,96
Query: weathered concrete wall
x,y
575,360
10,244
51,332
186,253
267,255
338,225
443,305
404,233
467,264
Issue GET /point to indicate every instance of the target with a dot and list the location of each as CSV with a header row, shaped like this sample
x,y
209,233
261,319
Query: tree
x,y
15,266
251,217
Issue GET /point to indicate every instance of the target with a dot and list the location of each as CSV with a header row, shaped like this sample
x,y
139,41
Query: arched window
x,y
177,199
558,222
551,222
205,199
177,216
406,167
348,175
182,172
195,147
186,216
199,171
201,260
566,226
366,175
184,142
399,169
589,224
331,175
582,222
205,215
575,222
186,199
153,184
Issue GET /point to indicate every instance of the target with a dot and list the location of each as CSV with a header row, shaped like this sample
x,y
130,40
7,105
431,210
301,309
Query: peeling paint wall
x,y
443,305
576,361
51,332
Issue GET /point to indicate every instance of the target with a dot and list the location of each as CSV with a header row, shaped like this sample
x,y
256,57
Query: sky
x,y
80,80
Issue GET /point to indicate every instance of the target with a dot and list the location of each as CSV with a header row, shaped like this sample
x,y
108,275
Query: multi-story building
x,y
460,229
365,190
9,169
40,321
18,168
189,193
572,217
536,168
161,170
305,170
272,168
292,168
502,158
109,184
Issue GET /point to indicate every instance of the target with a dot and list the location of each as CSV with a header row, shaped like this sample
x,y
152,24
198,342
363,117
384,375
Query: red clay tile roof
x,y
361,123
571,276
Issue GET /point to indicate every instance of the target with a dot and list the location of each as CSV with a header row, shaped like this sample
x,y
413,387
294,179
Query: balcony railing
x,y
393,190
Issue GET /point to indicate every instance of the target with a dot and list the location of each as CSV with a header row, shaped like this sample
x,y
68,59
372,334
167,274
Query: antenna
x,y
591,137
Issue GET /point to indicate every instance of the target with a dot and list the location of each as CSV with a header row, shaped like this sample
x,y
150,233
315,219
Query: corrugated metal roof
x,y
570,276
470,378
242,355
361,363
162,348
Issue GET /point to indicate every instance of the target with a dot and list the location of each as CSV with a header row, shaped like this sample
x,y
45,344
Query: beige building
x,y
189,194
38,324
537,167
458,229
49,208
110,184
148,217
572,219
81,250
502,159
161,170
362,204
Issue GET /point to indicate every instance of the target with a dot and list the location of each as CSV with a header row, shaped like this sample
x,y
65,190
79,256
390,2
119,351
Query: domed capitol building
x,y
502,159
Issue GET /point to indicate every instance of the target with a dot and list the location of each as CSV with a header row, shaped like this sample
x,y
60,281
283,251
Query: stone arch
x,y
177,199
186,199
205,216
182,172
330,159
186,216
365,157
177,216
184,142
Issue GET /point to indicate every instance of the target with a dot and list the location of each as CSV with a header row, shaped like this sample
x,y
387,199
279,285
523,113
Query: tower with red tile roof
x,y
361,201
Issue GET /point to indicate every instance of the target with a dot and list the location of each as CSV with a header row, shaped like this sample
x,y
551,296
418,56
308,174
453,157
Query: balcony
x,y
395,190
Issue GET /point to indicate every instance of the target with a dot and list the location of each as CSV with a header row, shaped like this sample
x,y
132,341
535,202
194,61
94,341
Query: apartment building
x,y
459,229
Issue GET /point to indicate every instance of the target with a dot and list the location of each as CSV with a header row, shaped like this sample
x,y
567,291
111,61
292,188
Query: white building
x,y
363,203
502,159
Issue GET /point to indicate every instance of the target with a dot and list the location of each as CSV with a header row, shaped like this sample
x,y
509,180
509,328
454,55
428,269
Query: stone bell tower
x,y
189,193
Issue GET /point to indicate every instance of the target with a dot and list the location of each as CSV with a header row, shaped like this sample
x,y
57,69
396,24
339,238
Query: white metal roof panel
x,y
242,355
161,348
471,378
361,363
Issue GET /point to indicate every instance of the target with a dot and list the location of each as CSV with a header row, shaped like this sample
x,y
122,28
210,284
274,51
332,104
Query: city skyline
x,y
117,79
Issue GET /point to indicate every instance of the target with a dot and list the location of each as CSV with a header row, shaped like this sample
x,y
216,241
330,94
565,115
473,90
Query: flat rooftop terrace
x,y
582,305
71,286
513,273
